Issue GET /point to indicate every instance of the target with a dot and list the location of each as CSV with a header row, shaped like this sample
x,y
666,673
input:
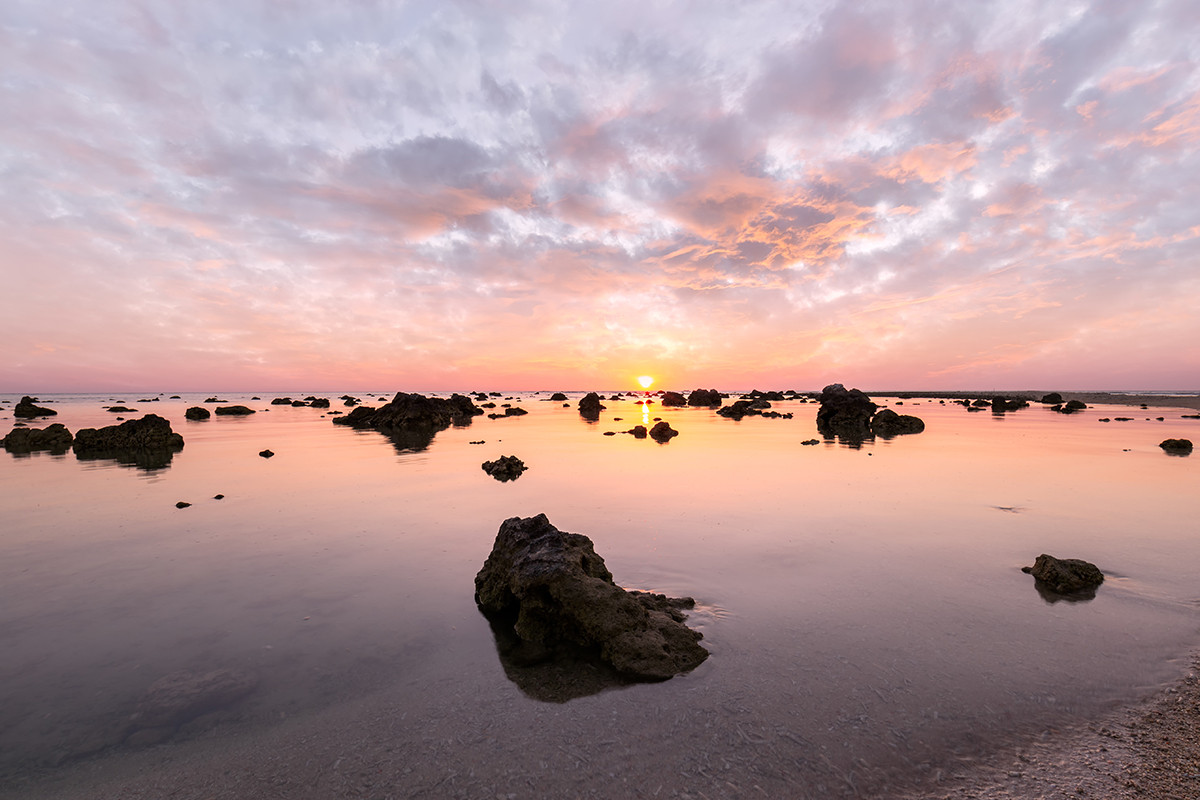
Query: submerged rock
x,y
26,408
1180,447
504,468
552,589
148,442
182,696
590,407
1065,575
55,438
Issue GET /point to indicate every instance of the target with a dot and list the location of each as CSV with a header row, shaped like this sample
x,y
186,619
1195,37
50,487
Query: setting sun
x,y
645,381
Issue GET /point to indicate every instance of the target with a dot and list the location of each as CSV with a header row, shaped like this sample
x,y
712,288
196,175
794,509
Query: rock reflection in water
x,y
552,674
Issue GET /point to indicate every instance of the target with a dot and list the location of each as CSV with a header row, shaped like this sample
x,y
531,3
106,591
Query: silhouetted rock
x,y
266,453
1001,405
1065,575
590,407
148,442
704,397
844,413
25,408
197,412
1180,447
638,431
120,410
552,589
55,438
183,504
319,402
412,420
1054,398
281,401
1071,406
662,432
504,468
558,397
887,423
234,411
673,399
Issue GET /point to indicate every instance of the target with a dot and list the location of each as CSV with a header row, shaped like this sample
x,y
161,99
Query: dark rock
x,y
182,696
26,408
638,431
234,411
1071,406
1065,575
558,397
197,412
299,404
266,453
1180,447
320,402
673,399
887,423
412,420
281,401
218,497
148,442
515,412
182,504
704,397
1001,405
55,438
590,407
214,400
811,441
662,432
844,413
505,468
121,410
1054,398
551,588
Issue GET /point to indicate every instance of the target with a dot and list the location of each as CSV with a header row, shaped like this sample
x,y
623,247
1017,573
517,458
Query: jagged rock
x,y
845,413
672,399
504,468
662,432
412,420
887,423
1051,399
590,407
182,696
197,412
1174,446
704,397
553,589
234,411
148,442
558,397
55,438
26,408
1065,575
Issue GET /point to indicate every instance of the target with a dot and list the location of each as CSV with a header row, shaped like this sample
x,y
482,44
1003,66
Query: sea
x,y
869,625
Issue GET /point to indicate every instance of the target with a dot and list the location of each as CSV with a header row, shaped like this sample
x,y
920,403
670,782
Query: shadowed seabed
x,y
869,625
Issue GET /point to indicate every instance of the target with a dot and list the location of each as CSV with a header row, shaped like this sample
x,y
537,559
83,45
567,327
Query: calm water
x,y
865,610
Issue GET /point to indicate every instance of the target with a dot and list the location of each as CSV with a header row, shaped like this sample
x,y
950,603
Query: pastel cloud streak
x,y
540,194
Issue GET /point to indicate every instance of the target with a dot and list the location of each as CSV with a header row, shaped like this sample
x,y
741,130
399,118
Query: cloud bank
x,y
540,194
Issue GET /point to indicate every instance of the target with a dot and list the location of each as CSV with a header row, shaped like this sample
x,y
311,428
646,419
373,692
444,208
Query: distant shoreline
x,y
1091,398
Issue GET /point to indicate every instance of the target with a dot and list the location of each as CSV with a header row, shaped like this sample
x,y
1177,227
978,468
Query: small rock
x,y
1180,447
182,504
662,432
265,453
505,468
1065,575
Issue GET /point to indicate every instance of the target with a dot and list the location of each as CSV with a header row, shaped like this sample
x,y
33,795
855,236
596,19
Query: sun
x,y
645,381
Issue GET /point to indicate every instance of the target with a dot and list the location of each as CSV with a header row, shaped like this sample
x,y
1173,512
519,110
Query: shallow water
x,y
864,607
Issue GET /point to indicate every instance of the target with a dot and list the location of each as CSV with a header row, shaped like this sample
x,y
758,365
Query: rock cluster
x,y
148,442
1065,575
504,468
27,409
553,590
412,420
850,415
55,438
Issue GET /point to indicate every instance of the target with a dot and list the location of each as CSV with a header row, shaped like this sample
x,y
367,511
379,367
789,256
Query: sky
x,y
540,194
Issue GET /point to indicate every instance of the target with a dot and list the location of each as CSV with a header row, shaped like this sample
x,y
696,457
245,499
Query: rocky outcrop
x,y
28,410
709,398
1065,575
504,468
55,438
844,413
887,423
744,408
590,407
148,442
234,411
412,420
197,412
673,399
553,590
662,432
1178,447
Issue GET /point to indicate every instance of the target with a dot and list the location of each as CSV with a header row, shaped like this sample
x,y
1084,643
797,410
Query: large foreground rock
x,y
1065,575
845,413
553,589
148,442
411,420
55,438
26,408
